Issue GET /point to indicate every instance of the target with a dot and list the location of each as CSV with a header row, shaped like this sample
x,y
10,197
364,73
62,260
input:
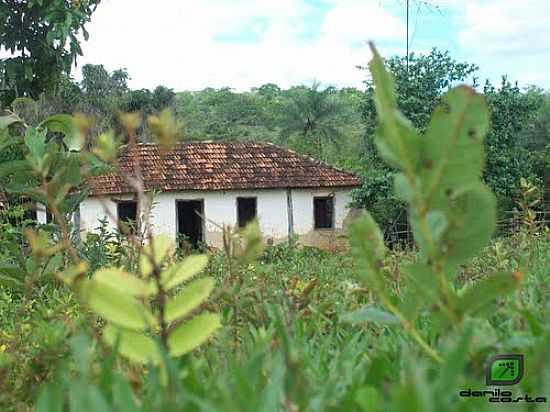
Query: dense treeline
x,y
334,125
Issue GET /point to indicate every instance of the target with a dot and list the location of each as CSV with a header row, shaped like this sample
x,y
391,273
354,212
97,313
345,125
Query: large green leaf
x,y
187,336
192,296
452,150
421,289
65,124
370,313
472,221
368,250
134,346
124,282
36,143
155,252
397,141
12,276
14,167
182,271
253,245
6,121
486,291
117,307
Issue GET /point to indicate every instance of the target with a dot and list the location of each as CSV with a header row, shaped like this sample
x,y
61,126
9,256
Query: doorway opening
x,y
189,221
246,210
127,212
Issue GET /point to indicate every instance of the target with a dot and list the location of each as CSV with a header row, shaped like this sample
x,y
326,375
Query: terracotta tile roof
x,y
221,166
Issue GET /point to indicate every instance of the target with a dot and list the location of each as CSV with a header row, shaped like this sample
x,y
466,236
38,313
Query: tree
x,y
418,89
511,138
419,86
42,37
163,97
220,114
314,116
98,85
535,137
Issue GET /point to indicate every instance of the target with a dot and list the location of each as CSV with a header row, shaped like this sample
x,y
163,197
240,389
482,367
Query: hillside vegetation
x,y
117,323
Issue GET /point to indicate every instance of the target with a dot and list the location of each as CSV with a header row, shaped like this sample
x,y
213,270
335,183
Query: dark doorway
x,y
190,225
246,210
323,211
127,213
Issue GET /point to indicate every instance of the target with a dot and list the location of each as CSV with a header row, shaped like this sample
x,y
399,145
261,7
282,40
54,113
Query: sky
x,y
193,44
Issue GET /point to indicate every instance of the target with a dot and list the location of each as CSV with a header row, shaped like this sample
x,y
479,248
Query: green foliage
x,y
317,116
115,295
42,36
514,143
512,112
452,213
418,89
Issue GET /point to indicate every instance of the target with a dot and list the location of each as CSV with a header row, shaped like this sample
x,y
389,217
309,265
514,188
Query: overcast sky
x,y
192,44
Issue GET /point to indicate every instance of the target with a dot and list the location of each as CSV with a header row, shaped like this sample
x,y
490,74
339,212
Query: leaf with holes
x,y
452,149
368,250
472,221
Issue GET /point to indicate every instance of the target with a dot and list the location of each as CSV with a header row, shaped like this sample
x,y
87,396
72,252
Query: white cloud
x,y
179,43
507,37
354,20
506,26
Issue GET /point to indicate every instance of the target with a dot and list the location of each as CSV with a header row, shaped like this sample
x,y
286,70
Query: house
x,y
200,186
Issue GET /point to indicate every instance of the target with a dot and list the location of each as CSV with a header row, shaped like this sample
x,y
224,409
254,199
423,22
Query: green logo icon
x,y
504,370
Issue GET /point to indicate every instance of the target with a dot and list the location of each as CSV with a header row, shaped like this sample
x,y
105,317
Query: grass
x,y
284,345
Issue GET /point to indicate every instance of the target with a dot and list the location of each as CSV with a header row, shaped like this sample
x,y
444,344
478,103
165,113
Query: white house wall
x,y
302,200
92,210
220,207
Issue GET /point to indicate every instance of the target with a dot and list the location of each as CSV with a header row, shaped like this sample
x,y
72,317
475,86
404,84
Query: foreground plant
x,y
139,309
142,312
452,213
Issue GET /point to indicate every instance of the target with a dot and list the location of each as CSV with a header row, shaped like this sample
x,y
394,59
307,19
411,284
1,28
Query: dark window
x,y
127,212
246,210
49,216
323,211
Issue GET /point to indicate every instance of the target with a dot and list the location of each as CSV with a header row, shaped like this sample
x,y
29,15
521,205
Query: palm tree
x,y
315,115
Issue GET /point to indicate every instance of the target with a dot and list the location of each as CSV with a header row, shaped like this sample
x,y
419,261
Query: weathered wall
x,y
221,208
302,200
92,210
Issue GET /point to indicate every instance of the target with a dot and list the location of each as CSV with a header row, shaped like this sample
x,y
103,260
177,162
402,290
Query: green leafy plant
x,y
136,308
452,213
134,305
